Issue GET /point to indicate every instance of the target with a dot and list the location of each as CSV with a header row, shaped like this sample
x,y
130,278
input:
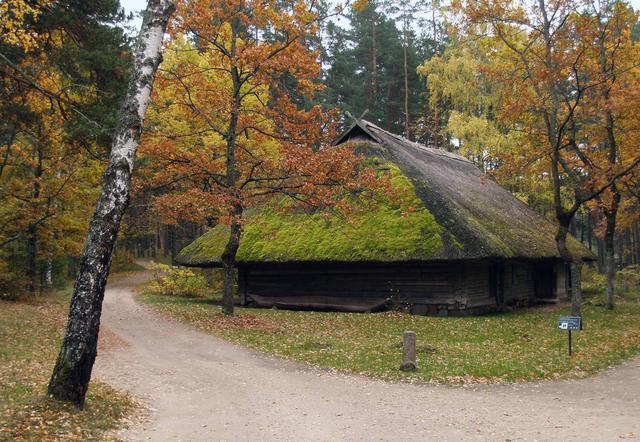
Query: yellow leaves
x,y
236,81
48,175
177,281
359,5
13,17
456,76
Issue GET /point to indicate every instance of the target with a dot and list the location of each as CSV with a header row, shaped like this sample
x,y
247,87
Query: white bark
x,y
72,372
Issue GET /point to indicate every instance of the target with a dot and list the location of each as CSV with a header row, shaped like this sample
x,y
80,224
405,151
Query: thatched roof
x,y
462,214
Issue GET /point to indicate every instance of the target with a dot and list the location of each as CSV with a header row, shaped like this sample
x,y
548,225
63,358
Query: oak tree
x,y
232,125
541,61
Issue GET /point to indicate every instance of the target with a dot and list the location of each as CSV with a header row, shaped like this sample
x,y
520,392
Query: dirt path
x,y
198,387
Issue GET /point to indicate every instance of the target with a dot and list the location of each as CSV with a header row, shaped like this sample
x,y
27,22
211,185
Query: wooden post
x,y
409,352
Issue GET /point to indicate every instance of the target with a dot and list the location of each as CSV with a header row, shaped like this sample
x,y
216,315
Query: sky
x,y
136,6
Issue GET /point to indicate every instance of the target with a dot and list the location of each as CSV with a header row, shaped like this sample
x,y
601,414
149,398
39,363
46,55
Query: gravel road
x,y
198,387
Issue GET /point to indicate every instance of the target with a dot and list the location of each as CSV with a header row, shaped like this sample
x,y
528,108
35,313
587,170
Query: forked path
x,y
198,387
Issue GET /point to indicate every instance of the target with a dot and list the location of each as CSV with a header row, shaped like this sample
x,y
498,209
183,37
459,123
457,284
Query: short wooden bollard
x,y
409,352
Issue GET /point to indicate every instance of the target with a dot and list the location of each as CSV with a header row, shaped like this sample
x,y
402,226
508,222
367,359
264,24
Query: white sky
x,y
134,6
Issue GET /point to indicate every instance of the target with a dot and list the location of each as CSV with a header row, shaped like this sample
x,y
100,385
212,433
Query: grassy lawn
x,y
30,334
523,345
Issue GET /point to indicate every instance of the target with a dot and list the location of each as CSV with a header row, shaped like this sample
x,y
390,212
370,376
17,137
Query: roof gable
x,y
484,217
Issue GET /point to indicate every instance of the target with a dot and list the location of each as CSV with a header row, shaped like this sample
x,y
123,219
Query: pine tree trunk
x,y
636,236
436,126
589,231
72,372
32,231
407,122
171,242
611,216
374,58
32,258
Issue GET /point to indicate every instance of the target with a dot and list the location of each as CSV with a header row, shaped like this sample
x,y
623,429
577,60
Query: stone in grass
x,y
409,352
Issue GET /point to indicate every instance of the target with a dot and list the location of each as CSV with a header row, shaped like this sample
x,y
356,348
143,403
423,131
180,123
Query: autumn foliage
x,y
555,78
53,86
234,123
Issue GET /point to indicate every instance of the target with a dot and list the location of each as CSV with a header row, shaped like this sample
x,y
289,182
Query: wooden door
x,y
496,282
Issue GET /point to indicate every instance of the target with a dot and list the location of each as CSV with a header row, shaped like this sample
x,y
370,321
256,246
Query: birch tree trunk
x,y
72,372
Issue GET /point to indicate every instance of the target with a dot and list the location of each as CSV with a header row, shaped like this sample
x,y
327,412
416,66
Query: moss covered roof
x,y
391,231
445,208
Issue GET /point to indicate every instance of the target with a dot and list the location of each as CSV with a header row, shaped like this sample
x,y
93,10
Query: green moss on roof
x,y
398,230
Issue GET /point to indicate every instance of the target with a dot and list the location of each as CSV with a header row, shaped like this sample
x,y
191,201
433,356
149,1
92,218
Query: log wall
x,y
421,288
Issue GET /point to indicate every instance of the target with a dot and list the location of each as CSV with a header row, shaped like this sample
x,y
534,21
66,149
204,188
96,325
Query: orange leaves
x,y
228,126
360,5
192,205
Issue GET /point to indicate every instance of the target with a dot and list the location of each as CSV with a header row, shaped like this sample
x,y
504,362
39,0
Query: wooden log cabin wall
x,y
421,288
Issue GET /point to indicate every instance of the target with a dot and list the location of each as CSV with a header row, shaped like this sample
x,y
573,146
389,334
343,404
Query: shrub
x,y
592,280
177,281
214,279
629,278
627,284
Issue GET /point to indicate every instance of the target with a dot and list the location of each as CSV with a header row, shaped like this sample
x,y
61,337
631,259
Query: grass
x,y
123,266
522,345
30,335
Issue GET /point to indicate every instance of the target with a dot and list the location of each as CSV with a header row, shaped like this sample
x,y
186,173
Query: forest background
x,y
435,73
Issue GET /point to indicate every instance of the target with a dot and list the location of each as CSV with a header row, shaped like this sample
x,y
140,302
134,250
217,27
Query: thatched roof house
x,y
452,240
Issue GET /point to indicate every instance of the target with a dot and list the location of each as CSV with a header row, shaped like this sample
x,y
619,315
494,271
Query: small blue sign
x,y
570,323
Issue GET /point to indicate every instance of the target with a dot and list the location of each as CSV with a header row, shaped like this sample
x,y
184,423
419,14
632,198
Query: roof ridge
x,y
440,152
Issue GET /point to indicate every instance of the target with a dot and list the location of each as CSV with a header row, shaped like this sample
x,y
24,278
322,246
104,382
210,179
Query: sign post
x,y
570,323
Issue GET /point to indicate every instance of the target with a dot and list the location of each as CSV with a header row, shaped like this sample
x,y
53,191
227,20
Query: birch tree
x,y
72,372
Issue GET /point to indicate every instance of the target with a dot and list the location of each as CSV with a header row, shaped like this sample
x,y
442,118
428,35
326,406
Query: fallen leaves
x,y
30,334
246,322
